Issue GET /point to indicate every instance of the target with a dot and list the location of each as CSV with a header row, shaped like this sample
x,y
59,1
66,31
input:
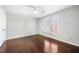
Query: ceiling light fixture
x,y
35,12
36,9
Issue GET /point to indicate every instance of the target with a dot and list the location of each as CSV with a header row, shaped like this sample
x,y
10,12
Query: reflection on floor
x,y
36,44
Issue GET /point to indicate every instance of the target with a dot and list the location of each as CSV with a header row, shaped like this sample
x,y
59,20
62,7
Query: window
x,y
55,23
51,24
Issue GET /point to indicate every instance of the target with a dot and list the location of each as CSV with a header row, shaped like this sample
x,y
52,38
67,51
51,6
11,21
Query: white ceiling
x,y
27,10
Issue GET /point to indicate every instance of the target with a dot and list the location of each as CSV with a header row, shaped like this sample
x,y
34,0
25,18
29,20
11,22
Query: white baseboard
x,y
61,40
19,36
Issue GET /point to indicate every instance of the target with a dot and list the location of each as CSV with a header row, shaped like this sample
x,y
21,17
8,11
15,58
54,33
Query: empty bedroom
x,y
39,29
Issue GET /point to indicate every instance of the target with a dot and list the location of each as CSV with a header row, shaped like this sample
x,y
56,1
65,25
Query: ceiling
x,y
28,10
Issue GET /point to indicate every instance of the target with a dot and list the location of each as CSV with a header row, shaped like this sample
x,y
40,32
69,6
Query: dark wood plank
x,y
24,44
36,44
63,47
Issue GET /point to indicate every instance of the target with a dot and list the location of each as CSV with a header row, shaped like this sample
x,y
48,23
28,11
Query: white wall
x,y
18,26
68,26
2,25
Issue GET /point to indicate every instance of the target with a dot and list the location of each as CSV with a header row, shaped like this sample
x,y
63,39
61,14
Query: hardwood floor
x,y
37,44
25,44
57,46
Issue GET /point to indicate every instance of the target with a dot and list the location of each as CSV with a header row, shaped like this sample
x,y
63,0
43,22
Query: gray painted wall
x,y
2,25
18,25
68,26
